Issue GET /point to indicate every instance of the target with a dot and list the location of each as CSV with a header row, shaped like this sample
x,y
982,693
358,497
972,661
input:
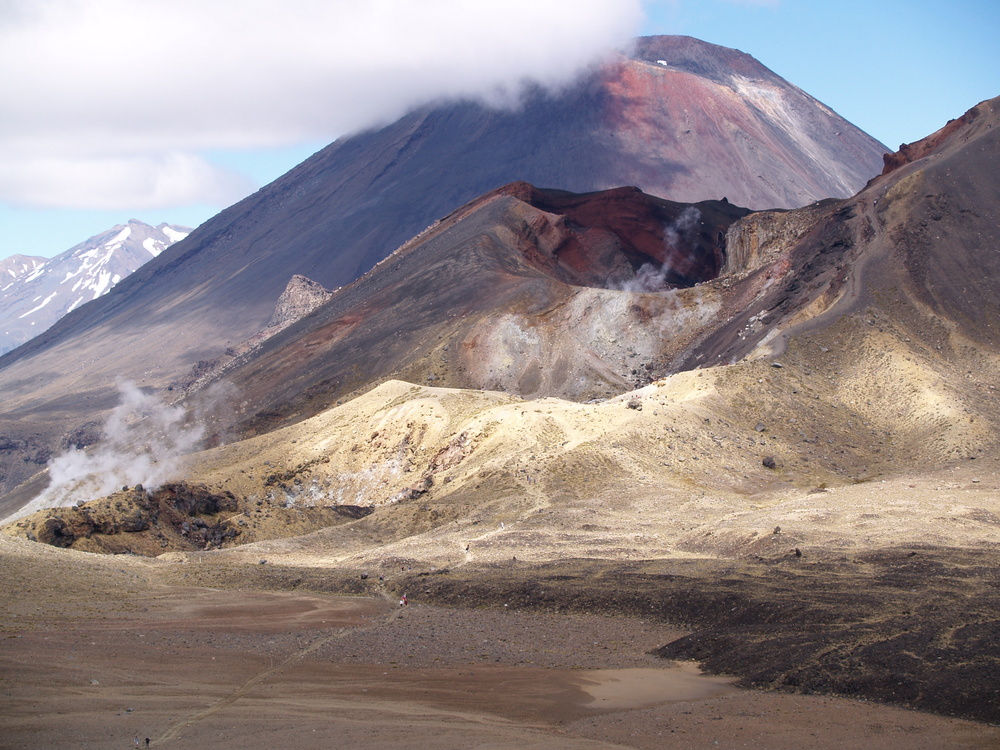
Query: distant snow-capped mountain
x,y
35,292
16,267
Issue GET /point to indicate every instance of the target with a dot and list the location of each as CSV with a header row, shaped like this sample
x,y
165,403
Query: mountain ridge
x,y
15,266
38,297
564,150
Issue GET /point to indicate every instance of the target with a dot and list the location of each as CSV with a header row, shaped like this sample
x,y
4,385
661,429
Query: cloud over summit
x,y
112,102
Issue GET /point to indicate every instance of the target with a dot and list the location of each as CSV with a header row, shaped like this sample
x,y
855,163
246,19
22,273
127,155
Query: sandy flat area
x,y
195,667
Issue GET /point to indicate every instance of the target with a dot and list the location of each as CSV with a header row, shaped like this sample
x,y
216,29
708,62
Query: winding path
x,y
174,730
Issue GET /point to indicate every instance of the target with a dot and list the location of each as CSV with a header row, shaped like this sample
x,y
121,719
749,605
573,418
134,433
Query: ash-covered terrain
x,y
559,432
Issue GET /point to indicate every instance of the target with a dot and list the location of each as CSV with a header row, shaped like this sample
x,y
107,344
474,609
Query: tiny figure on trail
x,y
403,602
147,743
136,741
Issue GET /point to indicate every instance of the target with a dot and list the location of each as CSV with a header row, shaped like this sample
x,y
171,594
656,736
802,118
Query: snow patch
x,y
39,307
36,273
174,234
153,246
102,284
120,237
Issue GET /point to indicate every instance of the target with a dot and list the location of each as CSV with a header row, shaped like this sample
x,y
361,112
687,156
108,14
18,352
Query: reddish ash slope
x,y
732,128
603,238
522,289
911,152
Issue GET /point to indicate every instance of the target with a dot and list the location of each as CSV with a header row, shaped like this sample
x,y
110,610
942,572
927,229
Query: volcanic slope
x,y
523,290
825,510
864,330
823,513
546,293
679,118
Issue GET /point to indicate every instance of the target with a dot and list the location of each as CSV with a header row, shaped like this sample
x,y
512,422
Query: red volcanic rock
x,y
694,120
523,289
609,235
910,152
504,293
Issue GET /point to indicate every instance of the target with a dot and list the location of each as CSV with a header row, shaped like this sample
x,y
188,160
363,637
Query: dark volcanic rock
x,y
300,298
102,525
918,630
177,516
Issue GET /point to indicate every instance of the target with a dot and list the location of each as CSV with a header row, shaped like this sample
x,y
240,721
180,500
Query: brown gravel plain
x,y
98,650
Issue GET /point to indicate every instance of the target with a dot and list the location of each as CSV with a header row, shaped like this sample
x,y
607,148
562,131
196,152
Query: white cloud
x,y
110,182
127,86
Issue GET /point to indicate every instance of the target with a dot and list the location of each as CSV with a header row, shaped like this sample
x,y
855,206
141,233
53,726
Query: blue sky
x,y
170,110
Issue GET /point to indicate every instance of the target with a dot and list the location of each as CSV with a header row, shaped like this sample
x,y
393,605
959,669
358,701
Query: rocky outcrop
x,y
300,298
134,520
176,517
911,152
758,239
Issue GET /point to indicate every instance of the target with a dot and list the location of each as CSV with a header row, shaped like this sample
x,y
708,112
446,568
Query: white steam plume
x,y
676,236
144,443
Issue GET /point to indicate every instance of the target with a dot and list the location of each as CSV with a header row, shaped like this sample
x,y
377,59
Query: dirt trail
x,y
260,677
